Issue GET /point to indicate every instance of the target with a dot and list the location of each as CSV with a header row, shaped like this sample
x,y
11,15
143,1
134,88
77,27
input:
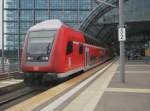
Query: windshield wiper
x,y
48,48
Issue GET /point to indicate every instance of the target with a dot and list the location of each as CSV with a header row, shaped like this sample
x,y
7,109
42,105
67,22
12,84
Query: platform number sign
x,y
122,34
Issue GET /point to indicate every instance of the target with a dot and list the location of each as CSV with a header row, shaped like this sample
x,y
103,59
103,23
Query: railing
x,y
11,66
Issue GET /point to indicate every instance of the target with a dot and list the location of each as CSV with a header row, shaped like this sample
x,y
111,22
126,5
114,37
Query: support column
x,y
19,39
3,65
122,42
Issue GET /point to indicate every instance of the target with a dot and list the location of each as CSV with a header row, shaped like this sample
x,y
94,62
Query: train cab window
x,y
69,47
80,48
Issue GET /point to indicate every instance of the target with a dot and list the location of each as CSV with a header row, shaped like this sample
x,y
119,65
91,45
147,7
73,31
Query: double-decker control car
x,y
53,49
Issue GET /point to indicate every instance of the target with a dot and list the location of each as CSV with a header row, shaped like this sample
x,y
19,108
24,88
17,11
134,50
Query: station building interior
x,y
97,20
102,24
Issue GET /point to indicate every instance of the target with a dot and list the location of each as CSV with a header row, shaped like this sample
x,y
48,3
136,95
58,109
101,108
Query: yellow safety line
x,y
36,101
89,98
136,72
138,65
128,90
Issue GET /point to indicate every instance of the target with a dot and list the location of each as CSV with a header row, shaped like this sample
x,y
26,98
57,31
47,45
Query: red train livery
x,y
52,48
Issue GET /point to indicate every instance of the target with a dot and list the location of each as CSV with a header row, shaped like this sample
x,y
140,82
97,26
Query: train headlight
x,y
44,58
29,58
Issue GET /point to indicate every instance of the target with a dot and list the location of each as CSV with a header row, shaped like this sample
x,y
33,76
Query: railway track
x,y
17,96
11,98
14,95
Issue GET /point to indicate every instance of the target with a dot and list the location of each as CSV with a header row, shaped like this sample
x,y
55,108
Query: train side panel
x,y
70,61
93,56
75,59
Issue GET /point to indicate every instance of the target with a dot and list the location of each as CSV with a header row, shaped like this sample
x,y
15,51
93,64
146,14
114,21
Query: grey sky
x,y
0,24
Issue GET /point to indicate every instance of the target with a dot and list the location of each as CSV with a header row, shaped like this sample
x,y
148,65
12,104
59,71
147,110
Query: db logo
x,y
36,68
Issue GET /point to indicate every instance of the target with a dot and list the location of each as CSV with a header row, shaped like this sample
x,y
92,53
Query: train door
x,y
86,57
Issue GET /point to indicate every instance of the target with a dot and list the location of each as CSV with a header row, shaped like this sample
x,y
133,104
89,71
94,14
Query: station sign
x,y
122,34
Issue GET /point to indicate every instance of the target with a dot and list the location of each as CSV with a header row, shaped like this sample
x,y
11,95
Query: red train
x,y
52,49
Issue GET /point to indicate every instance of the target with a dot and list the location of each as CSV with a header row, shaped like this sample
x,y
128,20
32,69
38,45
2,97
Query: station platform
x,y
10,85
103,91
9,82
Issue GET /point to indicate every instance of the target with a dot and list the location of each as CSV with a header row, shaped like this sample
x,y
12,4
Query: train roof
x,y
47,25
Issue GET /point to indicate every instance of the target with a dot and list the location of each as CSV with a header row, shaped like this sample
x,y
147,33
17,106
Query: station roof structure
x,y
95,26
100,31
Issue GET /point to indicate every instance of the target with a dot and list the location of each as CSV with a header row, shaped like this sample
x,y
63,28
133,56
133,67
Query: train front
x,y
38,48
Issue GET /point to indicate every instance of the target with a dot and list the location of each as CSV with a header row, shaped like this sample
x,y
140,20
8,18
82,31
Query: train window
x,y
69,47
80,48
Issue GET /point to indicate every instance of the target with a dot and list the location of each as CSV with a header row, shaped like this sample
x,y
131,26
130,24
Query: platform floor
x,y
9,82
104,92
85,95
107,93
10,85
134,95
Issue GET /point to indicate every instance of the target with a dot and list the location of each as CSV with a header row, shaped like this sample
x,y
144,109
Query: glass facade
x,y
135,11
19,15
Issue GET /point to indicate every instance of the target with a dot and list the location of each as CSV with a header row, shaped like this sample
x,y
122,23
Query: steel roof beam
x,y
106,3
